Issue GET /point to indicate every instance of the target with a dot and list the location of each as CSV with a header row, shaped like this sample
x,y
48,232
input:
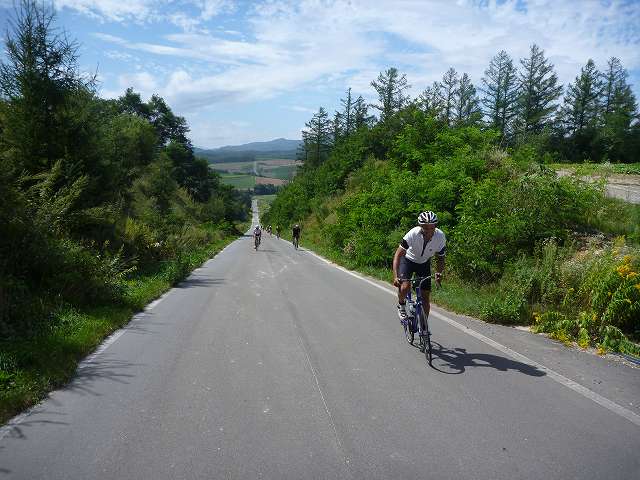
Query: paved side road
x,y
276,364
624,187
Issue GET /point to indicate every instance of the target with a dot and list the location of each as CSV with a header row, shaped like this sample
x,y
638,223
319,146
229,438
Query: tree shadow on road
x,y
454,361
51,411
200,282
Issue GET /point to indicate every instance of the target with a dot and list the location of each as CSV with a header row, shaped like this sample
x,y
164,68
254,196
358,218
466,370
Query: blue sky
x,y
242,71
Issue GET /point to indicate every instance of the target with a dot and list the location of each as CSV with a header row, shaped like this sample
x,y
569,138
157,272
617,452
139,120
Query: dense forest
x,y
530,247
93,191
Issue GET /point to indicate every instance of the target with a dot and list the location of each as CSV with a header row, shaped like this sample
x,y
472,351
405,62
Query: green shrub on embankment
x,y
513,226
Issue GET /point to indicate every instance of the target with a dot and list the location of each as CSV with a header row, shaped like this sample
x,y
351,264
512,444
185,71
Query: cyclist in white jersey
x,y
413,255
257,236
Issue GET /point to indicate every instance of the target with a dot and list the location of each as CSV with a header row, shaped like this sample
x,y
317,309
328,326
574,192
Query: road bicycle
x,y
256,241
295,242
416,321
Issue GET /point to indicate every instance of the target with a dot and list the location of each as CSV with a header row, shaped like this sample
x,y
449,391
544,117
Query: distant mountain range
x,y
278,148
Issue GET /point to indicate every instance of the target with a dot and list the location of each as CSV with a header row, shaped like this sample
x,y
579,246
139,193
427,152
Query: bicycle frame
x,y
418,302
413,323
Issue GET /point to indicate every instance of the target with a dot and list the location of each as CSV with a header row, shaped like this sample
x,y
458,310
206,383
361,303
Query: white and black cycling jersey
x,y
418,250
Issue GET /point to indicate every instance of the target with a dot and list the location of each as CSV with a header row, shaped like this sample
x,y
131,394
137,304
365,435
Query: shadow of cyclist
x,y
456,360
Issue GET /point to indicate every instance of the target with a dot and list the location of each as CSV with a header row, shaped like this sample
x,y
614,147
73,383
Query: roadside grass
x,y
616,217
30,368
603,169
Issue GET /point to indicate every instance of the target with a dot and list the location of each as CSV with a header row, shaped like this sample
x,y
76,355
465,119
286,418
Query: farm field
x,y
243,181
239,181
270,181
284,169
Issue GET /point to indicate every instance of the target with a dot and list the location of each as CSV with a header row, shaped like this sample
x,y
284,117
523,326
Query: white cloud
x,y
146,11
142,82
322,44
298,108
113,10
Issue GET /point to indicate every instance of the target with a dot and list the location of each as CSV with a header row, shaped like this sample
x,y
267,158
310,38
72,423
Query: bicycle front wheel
x,y
428,350
408,331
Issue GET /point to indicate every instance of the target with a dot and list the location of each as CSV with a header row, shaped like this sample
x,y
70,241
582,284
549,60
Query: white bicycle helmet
x,y
427,217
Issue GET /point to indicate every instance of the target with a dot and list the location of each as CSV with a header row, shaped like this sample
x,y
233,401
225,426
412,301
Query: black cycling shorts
x,y
407,268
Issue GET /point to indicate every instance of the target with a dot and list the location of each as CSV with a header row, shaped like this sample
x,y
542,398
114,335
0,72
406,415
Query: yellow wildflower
x,y
637,285
623,270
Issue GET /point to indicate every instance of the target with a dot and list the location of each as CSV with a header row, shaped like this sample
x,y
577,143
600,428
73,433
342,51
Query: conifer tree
x,y
612,78
430,100
539,90
336,128
390,86
619,119
617,98
500,92
448,92
361,117
467,105
317,138
581,102
347,115
37,79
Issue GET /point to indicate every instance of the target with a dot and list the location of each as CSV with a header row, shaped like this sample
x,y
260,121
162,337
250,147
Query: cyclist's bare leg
x,y
402,291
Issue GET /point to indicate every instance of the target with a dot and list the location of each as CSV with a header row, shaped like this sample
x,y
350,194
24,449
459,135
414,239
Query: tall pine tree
x,y
390,86
539,91
448,93
430,100
581,101
347,113
361,117
317,138
500,90
619,119
467,105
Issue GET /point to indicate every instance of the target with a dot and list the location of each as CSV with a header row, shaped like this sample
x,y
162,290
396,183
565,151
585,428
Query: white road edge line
x,y
561,379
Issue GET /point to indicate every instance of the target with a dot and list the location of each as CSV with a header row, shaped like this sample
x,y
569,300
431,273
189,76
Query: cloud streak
x,y
219,52
296,43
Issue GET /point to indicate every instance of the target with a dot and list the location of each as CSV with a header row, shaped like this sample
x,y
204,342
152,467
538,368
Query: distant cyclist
x,y
257,236
295,234
414,256
278,231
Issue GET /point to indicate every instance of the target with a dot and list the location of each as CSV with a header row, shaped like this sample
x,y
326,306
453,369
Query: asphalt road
x,y
275,364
